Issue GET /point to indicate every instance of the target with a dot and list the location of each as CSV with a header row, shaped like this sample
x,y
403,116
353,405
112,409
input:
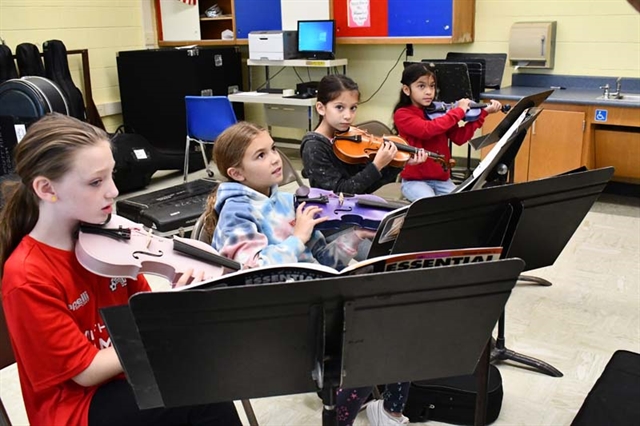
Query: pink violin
x,y
365,210
123,248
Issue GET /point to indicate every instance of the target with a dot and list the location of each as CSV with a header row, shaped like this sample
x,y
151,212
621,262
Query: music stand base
x,y
502,354
535,280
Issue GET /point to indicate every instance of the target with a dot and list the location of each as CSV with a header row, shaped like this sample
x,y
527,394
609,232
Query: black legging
x,y
115,404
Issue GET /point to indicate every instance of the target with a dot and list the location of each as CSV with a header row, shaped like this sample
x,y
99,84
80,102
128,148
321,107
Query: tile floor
x,y
592,310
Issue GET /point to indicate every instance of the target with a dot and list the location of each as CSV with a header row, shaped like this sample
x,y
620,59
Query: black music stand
x,y
532,220
495,65
476,69
319,335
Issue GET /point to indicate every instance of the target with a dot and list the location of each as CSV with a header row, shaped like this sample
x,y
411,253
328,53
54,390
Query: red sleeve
x,y
47,340
414,125
461,135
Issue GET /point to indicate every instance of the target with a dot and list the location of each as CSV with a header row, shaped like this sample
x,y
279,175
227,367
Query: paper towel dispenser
x,y
532,44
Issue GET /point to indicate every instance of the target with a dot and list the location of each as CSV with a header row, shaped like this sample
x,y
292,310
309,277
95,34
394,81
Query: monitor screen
x,y
316,39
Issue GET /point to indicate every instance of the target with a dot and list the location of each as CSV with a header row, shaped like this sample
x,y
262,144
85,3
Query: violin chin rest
x,y
303,191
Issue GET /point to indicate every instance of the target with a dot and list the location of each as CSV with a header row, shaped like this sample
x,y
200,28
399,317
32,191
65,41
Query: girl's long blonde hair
x,y
48,150
228,151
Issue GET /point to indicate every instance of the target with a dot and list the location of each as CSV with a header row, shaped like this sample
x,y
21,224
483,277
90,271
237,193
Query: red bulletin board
x,y
378,19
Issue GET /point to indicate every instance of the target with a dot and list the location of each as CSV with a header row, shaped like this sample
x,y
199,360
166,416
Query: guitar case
x,y
29,60
57,70
31,97
7,65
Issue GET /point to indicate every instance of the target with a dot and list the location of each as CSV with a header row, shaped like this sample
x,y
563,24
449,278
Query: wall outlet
x,y
409,49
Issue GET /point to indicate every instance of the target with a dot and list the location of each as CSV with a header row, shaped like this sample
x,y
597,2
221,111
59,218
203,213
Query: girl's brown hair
x,y
331,87
47,150
228,151
411,73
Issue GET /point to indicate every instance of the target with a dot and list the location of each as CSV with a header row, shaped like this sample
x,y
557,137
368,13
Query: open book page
x,y
291,272
423,259
498,147
287,272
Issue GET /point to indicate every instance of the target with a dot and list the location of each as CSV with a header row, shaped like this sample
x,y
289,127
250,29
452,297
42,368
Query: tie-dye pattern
x,y
257,230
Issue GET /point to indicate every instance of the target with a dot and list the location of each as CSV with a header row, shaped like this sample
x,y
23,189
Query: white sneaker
x,y
378,416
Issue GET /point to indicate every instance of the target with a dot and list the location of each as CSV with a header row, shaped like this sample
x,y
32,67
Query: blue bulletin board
x,y
406,21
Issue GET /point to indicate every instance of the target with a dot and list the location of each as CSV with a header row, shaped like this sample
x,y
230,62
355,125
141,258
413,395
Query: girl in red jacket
x,y
418,92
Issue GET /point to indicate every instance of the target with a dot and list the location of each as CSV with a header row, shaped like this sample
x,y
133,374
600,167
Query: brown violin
x,y
122,248
357,146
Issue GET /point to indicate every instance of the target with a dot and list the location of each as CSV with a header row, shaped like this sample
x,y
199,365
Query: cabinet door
x,y
521,166
257,15
180,21
620,148
556,143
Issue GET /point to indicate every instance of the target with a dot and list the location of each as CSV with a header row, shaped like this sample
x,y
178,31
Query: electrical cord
x,y
385,79
269,80
299,78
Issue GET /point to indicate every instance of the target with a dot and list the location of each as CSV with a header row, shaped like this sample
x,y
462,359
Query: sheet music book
x,y
310,271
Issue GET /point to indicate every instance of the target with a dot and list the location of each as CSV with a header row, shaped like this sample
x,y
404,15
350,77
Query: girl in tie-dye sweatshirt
x,y
254,223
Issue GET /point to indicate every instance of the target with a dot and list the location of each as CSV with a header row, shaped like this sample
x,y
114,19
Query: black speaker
x,y
154,82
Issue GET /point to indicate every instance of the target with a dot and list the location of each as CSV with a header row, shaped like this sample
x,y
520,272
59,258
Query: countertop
x,y
560,96
579,90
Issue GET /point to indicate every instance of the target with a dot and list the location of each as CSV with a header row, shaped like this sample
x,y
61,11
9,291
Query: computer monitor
x,y
317,39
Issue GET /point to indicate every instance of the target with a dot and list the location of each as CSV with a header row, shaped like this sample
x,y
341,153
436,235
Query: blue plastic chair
x,y
207,117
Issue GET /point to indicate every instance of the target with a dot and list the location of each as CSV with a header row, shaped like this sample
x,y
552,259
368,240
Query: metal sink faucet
x,y
618,92
615,95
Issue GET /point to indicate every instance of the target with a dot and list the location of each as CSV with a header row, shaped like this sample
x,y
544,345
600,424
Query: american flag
x,y
191,2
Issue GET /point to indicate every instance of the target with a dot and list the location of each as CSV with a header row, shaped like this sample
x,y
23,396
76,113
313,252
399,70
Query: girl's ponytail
x,y
17,218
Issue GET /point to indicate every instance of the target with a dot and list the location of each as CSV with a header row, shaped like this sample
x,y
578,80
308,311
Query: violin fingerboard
x,y
388,205
205,256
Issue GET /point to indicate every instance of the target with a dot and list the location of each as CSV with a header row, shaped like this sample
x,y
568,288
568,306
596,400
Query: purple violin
x,y
365,211
438,109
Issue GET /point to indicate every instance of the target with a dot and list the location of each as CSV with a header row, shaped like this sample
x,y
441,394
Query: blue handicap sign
x,y
601,115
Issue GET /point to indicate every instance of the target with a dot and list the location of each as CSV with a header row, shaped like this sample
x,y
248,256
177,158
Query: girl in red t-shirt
x,y
418,92
69,371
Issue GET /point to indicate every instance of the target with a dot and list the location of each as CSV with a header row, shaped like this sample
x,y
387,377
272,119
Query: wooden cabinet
x,y
619,148
404,21
553,144
616,141
212,28
392,21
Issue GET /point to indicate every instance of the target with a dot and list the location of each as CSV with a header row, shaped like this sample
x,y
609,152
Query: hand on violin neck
x,y
493,106
306,220
464,103
188,277
419,157
385,155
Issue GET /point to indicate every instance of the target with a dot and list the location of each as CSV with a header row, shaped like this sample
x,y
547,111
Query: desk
x,y
287,112
283,112
305,63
